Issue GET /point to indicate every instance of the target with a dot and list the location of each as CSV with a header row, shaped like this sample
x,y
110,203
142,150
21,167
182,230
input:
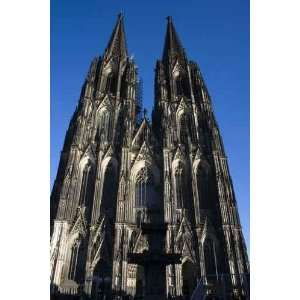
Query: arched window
x,y
183,128
189,279
145,194
76,266
209,260
103,131
204,187
111,83
179,186
125,88
86,187
182,87
109,194
179,88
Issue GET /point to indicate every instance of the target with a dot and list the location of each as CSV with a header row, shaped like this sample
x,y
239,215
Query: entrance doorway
x,y
189,279
140,283
101,286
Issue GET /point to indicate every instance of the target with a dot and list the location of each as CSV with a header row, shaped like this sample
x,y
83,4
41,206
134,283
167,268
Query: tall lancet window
x,y
145,194
181,86
179,186
109,194
204,187
86,185
104,126
111,83
183,128
125,89
210,260
76,266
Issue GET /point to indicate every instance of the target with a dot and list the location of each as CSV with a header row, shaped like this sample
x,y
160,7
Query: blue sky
x,y
214,33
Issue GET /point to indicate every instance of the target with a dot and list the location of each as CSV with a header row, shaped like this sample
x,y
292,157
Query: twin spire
x,y
173,48
117,44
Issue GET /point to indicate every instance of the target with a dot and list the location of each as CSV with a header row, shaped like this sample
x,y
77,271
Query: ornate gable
x,y
109,152
141,244
144,154
142,135
105,103
197,154
182,106
208,230
178,69
100,243
89,153
79,226
184,240
179,154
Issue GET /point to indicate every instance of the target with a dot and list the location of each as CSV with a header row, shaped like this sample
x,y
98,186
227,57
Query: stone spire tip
x,y
121,15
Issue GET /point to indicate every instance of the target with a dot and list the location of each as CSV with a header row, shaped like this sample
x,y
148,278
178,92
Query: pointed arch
x,y
76,260
143,134
109,78
145,180
189,277
181,84
111,83
103,124
183,128
210,259
178,173
128,82
109,187
145,163
126,88
86,183
183,123
145,192
203,178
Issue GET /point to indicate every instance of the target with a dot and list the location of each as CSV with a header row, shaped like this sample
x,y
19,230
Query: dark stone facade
x,y
140,209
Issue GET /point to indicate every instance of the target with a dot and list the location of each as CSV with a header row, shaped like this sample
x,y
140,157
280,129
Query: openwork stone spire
x,y
117,44
173,48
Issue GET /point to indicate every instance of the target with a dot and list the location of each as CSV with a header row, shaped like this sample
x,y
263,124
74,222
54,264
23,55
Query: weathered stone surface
x,y
139,208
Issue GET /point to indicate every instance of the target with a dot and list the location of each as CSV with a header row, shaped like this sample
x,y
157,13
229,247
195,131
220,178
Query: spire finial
x,y
121,15
169,18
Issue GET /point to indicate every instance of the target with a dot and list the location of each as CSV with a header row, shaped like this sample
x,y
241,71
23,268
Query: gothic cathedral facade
x,y
133,197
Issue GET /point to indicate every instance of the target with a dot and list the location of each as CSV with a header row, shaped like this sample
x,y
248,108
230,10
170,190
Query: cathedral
x,y
145,208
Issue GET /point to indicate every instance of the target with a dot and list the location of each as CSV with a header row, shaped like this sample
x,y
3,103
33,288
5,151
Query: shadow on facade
x,y
217,289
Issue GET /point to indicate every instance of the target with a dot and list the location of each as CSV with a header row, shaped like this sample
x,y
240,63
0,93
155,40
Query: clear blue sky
x,y
214,33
